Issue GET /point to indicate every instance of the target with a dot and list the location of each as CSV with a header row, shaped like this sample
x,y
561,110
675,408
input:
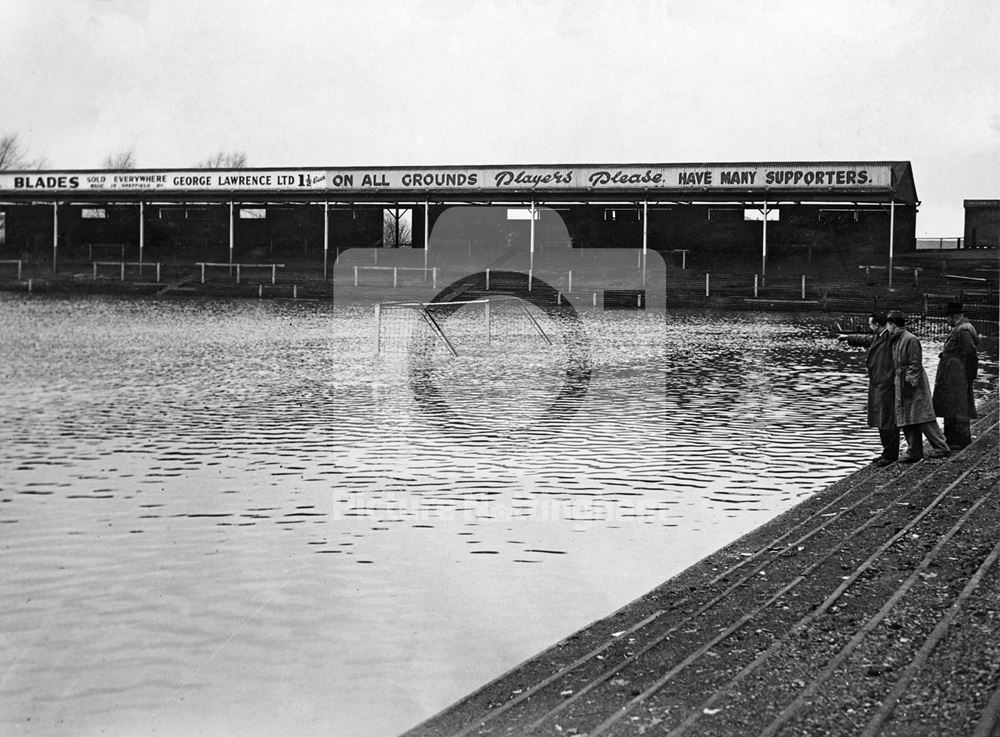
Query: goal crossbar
x,y
498,298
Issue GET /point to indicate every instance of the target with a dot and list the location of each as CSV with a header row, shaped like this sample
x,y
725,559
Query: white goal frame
x,y
424,310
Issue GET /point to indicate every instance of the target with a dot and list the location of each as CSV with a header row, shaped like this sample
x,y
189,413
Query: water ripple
x,y
201,499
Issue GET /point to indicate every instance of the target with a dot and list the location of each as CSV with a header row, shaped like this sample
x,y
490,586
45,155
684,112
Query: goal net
x,y
452,328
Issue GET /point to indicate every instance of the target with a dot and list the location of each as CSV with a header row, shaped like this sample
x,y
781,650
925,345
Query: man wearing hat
x,y
914,406
956,374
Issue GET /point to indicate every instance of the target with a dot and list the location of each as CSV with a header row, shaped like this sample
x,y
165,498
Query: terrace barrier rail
x,y
395,272
238,268
122,264
119,247
939,244
16,261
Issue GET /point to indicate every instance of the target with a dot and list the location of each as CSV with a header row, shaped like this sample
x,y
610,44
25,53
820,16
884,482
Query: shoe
x,y
883,462
910,459
939,454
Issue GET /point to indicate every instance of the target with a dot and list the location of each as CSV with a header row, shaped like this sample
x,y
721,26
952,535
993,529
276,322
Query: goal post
x,y
398,324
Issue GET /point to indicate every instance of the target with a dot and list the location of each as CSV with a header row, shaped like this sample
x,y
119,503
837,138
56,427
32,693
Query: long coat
x,y
956,373
913,391
881,392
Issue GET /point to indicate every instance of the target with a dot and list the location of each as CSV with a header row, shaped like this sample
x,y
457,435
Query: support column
x,y
231,239
142,232
427,230
326,235
532,237
55,235
645,237
763,249
892,236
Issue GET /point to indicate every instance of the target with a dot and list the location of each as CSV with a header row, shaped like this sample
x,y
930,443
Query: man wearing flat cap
x,y
956,374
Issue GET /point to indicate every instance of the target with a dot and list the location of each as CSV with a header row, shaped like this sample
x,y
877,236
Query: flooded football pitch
x,y
226,516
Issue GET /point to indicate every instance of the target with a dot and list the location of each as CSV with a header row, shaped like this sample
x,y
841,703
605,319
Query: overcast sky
x,y
334,83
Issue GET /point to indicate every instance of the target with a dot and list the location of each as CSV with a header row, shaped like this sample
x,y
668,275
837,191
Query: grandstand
x,y
738,234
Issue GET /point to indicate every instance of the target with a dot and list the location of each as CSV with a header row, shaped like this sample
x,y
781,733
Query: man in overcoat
x,y
913,403
881,394
956,374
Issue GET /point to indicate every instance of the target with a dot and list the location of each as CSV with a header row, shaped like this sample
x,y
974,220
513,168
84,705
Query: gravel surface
x,y
871,608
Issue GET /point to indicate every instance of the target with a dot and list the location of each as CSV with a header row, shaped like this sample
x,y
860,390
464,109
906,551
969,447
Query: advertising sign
x,y
217,180
673,177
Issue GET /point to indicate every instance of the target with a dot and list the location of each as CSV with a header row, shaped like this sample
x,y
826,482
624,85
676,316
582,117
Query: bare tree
x,y
14,155
224,160
396,227
120,160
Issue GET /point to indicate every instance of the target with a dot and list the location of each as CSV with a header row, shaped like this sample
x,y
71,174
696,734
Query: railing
x,y
971,287
120,247
239,267
920,324
684,253
939,244
973,279
14,261
395,272
122,264
868,268
757,283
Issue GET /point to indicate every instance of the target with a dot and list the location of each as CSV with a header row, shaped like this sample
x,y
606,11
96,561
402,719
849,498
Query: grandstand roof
x,y
800,181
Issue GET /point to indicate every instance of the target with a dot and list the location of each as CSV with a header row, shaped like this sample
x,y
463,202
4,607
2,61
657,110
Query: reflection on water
x,y
234,517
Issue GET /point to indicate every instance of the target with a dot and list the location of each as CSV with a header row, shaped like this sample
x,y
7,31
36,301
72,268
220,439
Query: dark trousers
x,y
914,435
957,432
890,443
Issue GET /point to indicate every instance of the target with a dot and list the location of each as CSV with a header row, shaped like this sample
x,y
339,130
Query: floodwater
x,y
232,517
